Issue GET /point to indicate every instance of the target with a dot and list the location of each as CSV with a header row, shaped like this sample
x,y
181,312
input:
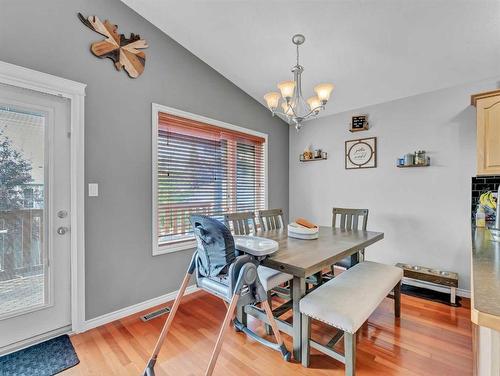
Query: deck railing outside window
x,y
204,169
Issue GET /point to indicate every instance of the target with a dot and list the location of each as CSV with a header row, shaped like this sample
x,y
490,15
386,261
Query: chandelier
x,y
294,109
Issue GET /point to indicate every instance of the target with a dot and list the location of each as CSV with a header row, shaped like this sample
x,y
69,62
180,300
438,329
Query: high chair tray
x,y
255,245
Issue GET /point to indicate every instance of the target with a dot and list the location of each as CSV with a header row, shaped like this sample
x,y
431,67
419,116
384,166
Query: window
x,y
201,166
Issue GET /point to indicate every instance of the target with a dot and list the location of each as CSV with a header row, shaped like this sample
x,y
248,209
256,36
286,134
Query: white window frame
x,y
155,110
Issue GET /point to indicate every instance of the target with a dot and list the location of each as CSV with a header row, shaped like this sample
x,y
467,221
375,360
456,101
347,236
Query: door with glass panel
x,y
34,216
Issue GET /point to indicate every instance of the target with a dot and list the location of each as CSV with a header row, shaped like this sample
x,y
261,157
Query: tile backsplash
x,y
481,184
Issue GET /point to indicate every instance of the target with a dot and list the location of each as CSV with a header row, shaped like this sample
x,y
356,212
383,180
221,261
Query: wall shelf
x,y
313,159
426,165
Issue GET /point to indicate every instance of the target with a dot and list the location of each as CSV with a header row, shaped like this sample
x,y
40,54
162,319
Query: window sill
x,y
176,247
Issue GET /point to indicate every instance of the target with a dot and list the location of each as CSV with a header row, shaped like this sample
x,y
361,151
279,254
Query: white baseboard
x,y
127,311
431,286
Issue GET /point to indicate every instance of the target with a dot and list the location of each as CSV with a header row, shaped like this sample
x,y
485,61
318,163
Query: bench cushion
x,y
347,301
271,278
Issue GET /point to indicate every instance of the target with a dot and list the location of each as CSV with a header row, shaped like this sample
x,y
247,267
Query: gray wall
x,y
47,36
424,212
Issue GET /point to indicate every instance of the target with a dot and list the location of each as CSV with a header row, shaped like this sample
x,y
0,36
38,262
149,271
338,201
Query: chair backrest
x,y
271,219
239,222
350,218
216,249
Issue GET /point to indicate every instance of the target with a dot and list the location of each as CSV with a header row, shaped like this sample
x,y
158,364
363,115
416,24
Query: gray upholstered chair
x,y
349,219
239,222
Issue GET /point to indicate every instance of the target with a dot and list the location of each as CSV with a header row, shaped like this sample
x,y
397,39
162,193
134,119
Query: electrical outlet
x,y
93,189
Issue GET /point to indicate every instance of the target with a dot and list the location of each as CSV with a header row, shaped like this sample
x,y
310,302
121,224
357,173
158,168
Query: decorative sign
x,y
359,123
361,153
123,51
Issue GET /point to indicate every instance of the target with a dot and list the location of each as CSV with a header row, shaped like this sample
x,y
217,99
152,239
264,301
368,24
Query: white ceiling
x,y
373,51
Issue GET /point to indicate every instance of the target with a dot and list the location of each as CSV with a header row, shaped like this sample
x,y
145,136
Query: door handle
x,y
62,230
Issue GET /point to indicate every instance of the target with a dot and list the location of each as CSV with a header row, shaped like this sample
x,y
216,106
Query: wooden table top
x,y
303,258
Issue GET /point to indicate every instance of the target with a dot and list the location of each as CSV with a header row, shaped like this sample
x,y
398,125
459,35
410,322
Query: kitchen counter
x,y
485,284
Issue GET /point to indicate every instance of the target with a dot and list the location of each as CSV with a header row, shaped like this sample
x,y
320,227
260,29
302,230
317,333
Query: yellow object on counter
x,y
480,217
488,200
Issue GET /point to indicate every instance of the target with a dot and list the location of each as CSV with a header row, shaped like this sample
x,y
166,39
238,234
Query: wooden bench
x,y
346,302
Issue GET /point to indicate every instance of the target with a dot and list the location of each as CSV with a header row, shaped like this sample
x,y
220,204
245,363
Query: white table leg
x,y
453,295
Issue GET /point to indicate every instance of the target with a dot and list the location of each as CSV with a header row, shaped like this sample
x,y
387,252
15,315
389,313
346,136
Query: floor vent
x,y
154,314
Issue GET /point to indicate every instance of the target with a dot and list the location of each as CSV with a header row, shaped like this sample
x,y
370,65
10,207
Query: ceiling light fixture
x,y
294,109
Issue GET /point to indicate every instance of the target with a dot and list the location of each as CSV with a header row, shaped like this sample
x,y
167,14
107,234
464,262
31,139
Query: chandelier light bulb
x,y
287,88
272,99
323,91
314,103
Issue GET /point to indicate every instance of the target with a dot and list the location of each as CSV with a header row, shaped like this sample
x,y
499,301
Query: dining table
x,y
303,259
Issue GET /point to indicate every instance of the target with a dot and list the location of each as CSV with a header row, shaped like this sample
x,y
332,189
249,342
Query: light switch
x,y
93,189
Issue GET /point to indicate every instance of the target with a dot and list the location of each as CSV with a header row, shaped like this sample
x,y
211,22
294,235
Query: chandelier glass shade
x,y
289,103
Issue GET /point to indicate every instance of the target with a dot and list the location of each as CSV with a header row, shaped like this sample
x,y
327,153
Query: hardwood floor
x,y
429,339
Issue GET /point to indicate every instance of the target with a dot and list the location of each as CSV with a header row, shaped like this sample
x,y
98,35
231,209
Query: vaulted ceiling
x,y
373,51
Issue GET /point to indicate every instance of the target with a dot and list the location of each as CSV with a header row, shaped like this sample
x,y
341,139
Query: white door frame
x,y
74,91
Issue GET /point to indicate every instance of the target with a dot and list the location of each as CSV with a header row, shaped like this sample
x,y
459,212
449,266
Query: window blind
x,y
204,169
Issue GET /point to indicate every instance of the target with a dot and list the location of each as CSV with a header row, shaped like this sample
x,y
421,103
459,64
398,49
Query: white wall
x,y
424,212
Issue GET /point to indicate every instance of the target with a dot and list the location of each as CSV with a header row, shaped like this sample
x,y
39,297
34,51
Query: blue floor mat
x,y
44,359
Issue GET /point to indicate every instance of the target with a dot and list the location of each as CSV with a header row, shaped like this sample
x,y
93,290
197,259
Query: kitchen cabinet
x,y
485,302
486,348
488,132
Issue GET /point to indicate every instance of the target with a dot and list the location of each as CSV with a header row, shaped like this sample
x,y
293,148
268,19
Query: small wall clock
x,y
361,153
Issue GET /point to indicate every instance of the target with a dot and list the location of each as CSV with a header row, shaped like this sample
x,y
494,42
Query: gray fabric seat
x,y
243,223
346,302
270,278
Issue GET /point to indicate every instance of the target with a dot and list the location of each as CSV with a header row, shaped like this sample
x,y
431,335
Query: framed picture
x,y
359,123
361,153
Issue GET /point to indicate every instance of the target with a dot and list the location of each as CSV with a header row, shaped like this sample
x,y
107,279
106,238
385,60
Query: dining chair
x,y
349,219
271,219
269,278
240,222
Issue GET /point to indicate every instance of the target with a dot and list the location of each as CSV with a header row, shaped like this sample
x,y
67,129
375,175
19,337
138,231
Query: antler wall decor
x,y
123,51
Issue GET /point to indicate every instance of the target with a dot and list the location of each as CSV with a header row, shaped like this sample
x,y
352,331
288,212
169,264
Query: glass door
x,y
34,215
23,257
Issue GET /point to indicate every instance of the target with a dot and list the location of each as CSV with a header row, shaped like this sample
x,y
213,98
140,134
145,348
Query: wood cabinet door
x,y
488,136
